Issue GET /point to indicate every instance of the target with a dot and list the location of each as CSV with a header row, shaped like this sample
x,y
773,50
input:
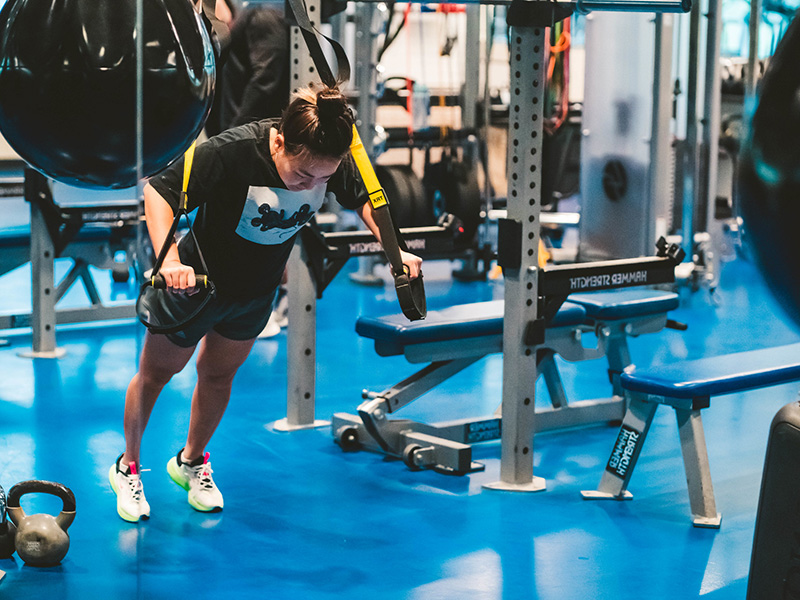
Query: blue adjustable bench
x,y
688,388
88,234
451,339
92,245
620,314
395,334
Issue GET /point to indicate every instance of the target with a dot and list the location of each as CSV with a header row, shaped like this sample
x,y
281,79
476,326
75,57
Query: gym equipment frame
x,y
459,336
57,231
528,38
519,238
315,260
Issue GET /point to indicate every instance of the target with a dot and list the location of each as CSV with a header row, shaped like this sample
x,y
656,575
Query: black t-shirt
x,y
247,220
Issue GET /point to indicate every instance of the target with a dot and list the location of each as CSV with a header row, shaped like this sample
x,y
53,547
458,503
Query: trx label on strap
x,y
378,199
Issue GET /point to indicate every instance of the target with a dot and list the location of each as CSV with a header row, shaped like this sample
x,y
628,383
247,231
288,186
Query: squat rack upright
x,y
518,235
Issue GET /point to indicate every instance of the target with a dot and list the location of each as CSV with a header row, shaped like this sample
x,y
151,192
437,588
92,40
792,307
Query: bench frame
x,y
630,440
447,447
53,234
692,387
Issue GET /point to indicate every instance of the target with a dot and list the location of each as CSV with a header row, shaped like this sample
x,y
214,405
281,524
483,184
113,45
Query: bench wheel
x,y
348,439
409,454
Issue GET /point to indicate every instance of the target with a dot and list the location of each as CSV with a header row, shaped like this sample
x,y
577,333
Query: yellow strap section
x,y
544,258
544,255
377,197
188,158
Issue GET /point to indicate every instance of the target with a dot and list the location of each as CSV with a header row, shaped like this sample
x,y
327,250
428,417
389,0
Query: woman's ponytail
x,y
320,122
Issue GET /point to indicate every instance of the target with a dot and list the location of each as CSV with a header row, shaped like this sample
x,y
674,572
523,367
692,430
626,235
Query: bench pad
x,y
625,303
717,375
14,237
19,236
450,324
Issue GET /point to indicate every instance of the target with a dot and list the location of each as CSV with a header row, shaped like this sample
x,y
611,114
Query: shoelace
x,y
134,482
202,473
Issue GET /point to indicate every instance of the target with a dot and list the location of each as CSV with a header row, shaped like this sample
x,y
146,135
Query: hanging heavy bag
x,y
68,91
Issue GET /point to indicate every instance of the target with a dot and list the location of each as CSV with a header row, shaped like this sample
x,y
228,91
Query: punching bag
x,y
775,563
769,175
68,80
769,201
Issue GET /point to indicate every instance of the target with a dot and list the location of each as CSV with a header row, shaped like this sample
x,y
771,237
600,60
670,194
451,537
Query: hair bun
x,y
331,104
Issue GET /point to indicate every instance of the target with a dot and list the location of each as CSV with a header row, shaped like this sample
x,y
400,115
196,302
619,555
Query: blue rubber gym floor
x,y
305,521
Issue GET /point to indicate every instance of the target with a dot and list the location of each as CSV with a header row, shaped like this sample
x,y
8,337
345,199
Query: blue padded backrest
x,y
392,332
717,375
19,235
625,303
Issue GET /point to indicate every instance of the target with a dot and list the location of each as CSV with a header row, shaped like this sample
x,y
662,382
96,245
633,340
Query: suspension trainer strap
x,y
188,159
149,303
410,292
183,206
377,198
311,36
219,29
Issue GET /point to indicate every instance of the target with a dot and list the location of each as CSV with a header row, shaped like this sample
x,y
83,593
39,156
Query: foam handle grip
x,y
159,283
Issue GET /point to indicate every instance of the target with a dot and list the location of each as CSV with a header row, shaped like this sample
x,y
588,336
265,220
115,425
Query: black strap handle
x,y
156,281
183,205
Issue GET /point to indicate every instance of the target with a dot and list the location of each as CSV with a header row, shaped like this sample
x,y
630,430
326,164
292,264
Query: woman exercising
x,y
254,186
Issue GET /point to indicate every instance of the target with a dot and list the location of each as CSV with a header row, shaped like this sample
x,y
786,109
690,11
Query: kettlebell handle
x,y
15,511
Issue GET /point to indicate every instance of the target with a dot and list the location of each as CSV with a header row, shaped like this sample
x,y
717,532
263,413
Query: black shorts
x,y
235,320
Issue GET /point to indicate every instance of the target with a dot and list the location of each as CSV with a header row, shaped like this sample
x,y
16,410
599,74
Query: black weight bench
x,y
688,388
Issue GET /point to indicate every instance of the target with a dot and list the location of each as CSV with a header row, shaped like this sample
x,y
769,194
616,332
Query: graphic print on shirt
x,y
272,215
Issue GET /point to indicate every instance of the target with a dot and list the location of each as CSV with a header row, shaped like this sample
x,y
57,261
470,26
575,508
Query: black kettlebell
x,y
41,540
7,530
